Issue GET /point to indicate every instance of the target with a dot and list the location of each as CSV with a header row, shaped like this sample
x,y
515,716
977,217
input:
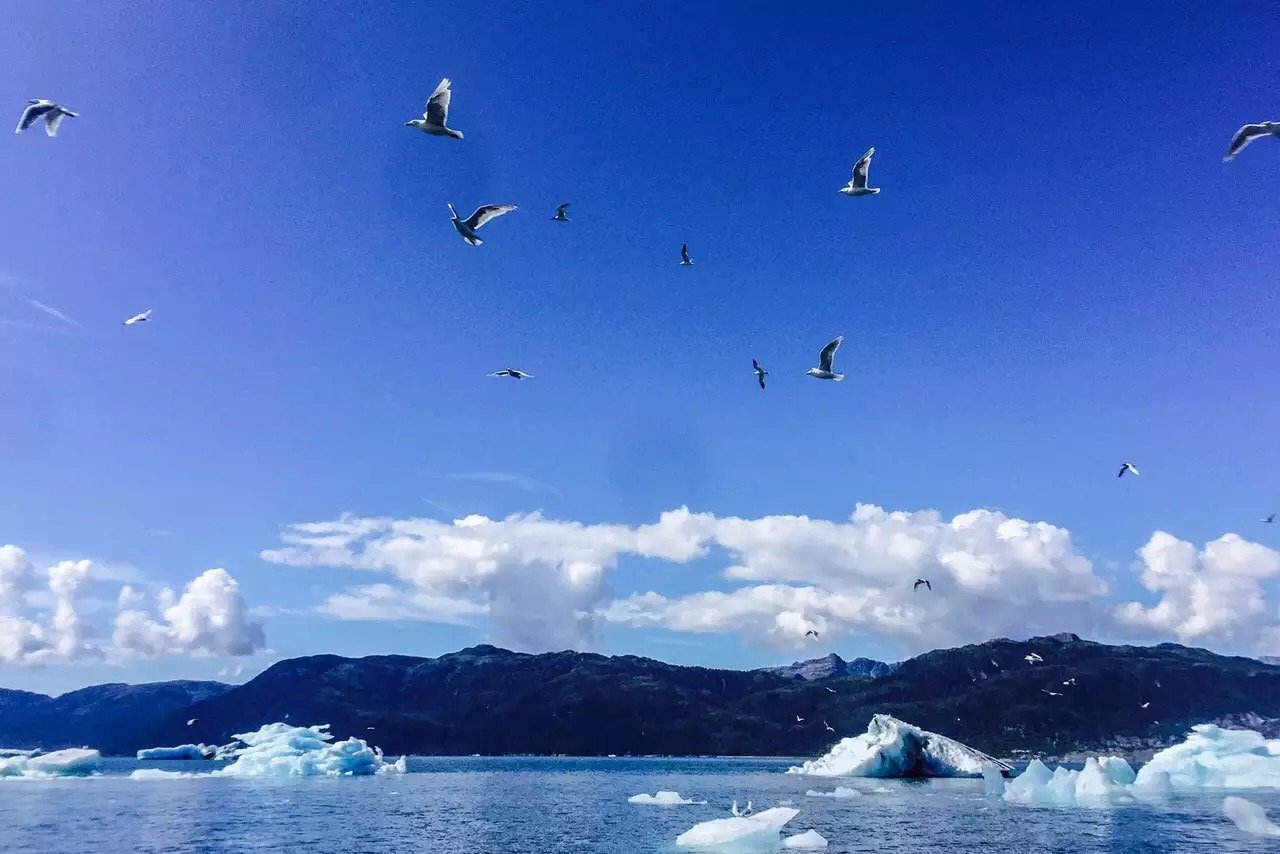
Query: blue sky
x,y
1060,275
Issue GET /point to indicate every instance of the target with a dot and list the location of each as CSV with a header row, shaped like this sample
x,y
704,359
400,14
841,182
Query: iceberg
x,y
1216,758
182,751
810,839
1102,782
72,762
993,779
662,799
281,750
840,792
759,829
157,774
1249,817
894,748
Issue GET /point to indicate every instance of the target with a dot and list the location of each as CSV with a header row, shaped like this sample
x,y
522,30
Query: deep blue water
x,y
544,806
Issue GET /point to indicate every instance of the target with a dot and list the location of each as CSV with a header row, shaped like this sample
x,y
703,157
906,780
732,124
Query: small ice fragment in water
x,y
662,799
760,828
810,839
182,751
840,792
1249,817
994,779
72,762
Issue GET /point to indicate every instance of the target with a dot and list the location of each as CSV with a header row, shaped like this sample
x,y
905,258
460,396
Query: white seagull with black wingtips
x,y
857,185
826,360
43,108
1248,134
469,226
436,115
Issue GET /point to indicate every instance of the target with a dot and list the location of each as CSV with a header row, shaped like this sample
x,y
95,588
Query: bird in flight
x,y
1144,705
761,373
1032,658
799,719
193,720
828,727
560,209
826,359
920,581
993,664
436,115
469,226
1270,518
811,632
38,108
1071,681
685,260
857,185
1050,693
513,373
369,728
830,690
1244,136
141,317
1130,468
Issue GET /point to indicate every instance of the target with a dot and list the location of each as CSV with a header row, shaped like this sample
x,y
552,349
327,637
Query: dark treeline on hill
x,y
491,701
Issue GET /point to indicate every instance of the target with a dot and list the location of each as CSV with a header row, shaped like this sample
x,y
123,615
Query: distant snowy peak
x,y
894,748
830,666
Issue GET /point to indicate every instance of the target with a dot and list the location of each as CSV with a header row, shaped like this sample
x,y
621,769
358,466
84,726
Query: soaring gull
x,y
1270,518
469,226
857,185
436,115
811,632
685,260
825,360
513,373
1032,658
43,108
920,581
799,719
193,720
141,317
1248,134
828,727
761,373
560,217
1130,468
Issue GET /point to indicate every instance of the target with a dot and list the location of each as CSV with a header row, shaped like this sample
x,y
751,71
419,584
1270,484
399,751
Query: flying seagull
x,y
994,664
828,727
1147,703
1050,693
920,581
193,720
43,108
436,114
1270,518
761,373
1071,681
1243,137
560,217
825,360
1130,468
141,317
685,260
799,719
469,226
369,728
830,690
858,183
513,373
1032,658
811,632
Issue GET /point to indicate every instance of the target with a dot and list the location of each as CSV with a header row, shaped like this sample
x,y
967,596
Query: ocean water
x,y
574,806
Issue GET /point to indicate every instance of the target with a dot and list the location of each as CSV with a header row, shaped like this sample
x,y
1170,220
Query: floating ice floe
x,y
280,750
662,799
1249,817
72,762
993,779
1216,758
894,748
1102,781
840,792
810,839
741,831
182,751
157,774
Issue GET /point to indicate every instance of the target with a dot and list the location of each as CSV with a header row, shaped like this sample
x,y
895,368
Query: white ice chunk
x,y
1216,758
1154,785
894,748
182,751
742,831
993,778
72,762
1102,781
840,792
157,774
810,839
1249,817
280,750
662,799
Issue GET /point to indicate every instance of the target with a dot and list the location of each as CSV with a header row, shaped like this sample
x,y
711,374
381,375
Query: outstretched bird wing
x,y
684,252
928,584
860,170
1243,137
52,119
484,213
31,114
827,357
437,111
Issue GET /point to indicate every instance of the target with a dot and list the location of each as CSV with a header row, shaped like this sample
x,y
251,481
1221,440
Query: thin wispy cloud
x,y
51,311
502,478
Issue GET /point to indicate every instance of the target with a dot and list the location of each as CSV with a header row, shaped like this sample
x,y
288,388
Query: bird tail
x,y
456,134
838,378
69,113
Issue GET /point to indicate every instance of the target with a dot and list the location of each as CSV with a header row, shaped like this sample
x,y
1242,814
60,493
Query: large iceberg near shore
x,y
758,829
182,751
894,748
72,762
281,750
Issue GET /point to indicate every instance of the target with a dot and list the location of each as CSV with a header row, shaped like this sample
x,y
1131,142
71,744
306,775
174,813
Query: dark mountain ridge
x,y
1080,696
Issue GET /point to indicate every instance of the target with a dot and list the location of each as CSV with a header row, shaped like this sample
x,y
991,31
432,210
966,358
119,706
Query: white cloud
x,y
1214,594
51,311
502,478
45,616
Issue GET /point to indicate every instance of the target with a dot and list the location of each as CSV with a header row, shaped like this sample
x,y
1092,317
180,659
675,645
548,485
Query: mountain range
x,y
1052,696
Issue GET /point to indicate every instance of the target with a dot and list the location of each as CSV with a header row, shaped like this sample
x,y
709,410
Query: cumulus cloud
x,y
43,616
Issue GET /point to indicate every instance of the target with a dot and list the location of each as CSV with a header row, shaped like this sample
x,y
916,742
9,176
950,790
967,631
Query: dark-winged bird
x,y
920,581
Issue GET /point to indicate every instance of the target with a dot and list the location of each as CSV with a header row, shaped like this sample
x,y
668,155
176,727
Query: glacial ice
x,y
1101,782
840,792
894,748
182,751
281,750
810,839
1216,758
662,799
994,780
72,762
157,774
1249,817
739,831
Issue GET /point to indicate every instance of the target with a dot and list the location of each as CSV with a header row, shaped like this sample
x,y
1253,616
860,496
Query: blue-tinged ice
x,y
894,748
759,830
281,750
182,751
810,840
72,762
840,792
1249,817
1216,758
663,799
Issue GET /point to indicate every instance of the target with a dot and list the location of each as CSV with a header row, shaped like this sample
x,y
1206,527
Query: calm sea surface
x,y
542,806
